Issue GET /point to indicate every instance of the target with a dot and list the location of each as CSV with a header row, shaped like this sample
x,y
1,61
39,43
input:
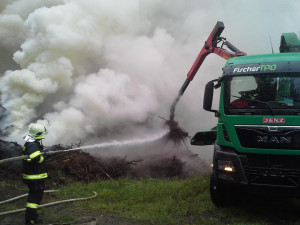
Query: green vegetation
x,y
157,201
166,201
178,201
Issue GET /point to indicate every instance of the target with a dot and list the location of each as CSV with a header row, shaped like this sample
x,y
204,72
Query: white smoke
x,y
108,68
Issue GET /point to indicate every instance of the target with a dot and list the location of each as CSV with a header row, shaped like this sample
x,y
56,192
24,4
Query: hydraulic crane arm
x,y
210,46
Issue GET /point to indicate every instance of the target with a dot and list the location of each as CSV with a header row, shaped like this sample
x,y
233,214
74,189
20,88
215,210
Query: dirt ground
x,y
85,219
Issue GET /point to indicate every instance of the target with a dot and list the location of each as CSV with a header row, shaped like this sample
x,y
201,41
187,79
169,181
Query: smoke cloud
x,y
96,68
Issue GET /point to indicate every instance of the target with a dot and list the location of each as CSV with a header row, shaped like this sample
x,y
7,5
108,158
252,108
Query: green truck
x,y
257,138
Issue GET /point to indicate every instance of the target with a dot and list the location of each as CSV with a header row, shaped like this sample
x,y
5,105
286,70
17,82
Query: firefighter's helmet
x,y
37,131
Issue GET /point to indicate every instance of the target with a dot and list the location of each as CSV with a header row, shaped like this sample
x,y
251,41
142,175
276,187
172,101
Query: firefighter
x,y
34,171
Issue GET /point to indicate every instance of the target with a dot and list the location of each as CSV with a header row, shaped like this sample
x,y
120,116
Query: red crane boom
x,y
210,46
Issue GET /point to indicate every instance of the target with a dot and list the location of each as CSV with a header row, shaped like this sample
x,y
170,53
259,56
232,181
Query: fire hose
x,y
47,191
22,196
44,205
47,153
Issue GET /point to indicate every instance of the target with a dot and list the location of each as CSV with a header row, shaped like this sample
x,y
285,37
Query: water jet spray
x,y
114,143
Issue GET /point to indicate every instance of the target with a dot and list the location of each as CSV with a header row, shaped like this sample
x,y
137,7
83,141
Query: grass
x,y
178,201
169,201
15,188
149,200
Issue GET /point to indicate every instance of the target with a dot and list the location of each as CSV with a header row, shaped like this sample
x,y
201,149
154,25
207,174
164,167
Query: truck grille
x,y
272,170
269,137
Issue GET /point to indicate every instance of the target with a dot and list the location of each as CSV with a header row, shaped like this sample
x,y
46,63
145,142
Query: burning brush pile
x,y
81,166
72,166
10,170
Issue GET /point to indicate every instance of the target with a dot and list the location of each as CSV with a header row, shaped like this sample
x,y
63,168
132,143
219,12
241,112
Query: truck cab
x,y
257,138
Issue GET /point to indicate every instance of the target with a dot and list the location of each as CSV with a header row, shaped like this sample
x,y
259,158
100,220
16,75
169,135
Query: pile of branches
x,y
12,170
81,166
73,166
120,167
166,167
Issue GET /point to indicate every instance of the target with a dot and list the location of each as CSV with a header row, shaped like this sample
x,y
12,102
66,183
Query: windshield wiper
x,y
253,100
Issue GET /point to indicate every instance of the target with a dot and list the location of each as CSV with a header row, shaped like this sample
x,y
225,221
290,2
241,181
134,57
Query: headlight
x,y
226,165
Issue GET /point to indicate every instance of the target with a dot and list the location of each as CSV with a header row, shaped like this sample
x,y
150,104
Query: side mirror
x,y
208,97
204,138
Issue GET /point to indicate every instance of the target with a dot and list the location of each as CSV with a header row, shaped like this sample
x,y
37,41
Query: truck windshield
x,y
262,94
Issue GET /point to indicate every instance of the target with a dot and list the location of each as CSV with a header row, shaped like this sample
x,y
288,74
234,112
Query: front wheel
x,y
217,191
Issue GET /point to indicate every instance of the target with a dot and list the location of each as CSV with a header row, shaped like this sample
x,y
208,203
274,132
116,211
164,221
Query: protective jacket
x,y
34,168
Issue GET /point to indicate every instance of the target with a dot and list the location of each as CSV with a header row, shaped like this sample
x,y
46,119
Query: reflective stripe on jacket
x,y
35,177
32,205
34,168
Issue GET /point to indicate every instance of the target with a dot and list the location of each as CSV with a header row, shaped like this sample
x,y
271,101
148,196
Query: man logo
x,y
274,139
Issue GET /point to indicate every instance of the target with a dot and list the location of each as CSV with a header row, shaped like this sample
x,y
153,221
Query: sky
x,y
99,70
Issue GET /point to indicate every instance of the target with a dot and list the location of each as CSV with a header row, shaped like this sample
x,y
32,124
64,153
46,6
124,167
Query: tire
x,y
217,192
